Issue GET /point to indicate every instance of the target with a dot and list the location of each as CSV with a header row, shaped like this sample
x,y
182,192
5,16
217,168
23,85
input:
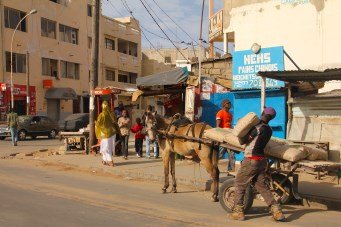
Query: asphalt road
x,y
27,146
37,196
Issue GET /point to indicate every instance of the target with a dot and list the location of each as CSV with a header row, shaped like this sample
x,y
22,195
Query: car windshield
x,y
23,119
75,116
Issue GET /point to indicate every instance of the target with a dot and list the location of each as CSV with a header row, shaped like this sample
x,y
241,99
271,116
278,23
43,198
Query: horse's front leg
x,y
165,159
211,166
172,164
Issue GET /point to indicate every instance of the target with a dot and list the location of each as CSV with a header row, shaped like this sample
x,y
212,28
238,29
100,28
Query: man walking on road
x,y
12,121
254,167
224,120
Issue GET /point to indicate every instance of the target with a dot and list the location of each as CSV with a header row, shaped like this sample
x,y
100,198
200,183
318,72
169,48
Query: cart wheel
x,y
226,196
281,196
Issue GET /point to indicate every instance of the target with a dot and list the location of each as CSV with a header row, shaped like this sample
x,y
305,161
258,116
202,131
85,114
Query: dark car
x,y
74,122
34,126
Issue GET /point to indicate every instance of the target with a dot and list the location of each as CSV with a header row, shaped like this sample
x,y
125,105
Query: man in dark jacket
x,y
254,167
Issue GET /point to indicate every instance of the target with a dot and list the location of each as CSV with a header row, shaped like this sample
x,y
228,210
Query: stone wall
x,y
216,68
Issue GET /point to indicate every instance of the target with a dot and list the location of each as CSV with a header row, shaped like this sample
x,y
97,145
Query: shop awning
x,y
173,77
61,93
294,76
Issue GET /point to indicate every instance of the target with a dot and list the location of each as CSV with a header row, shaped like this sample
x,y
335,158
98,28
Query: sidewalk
x,y
322,193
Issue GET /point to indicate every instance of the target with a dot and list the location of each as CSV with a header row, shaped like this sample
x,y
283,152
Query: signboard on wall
x,y
215,25
246,64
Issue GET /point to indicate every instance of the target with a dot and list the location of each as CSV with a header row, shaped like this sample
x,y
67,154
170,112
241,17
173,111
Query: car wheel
x,y
22,135
53,134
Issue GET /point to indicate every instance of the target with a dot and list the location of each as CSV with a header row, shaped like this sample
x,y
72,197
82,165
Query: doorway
x,y
53,109
20,107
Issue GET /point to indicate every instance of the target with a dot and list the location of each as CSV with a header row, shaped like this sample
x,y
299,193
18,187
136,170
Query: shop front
x,y
20,100
54,96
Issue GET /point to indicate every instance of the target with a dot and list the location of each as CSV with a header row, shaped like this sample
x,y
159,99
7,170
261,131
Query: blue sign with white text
x,y
246,64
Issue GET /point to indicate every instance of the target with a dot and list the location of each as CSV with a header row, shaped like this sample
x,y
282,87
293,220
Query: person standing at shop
x,y
224,120
13,122
124,124
139,136
106,130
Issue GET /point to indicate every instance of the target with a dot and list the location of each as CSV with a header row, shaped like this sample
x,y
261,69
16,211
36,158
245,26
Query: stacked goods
x,y
233,141
315,153
245,124
281,149
217,134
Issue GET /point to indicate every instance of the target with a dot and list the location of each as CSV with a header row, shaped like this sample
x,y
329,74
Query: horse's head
x,y
151,126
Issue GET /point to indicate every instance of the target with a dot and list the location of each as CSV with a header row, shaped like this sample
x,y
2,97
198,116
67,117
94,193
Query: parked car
x,y
33,126
74,122
4,131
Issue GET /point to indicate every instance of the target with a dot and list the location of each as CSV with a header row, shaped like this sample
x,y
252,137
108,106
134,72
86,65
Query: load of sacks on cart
x,y
276,147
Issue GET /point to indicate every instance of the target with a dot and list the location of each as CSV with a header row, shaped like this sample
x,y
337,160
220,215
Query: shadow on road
x,y
291,213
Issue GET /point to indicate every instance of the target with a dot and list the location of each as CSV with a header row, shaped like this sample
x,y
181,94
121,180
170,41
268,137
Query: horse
x,y
165,132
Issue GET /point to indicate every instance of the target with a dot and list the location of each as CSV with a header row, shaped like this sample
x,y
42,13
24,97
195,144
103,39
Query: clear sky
x,y
185,13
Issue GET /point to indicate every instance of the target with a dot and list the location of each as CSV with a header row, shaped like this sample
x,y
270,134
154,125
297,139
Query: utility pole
x,y
96,4
200,39
27,83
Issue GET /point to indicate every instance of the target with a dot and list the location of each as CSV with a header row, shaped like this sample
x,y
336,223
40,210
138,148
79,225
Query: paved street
x,y
28,145
36,196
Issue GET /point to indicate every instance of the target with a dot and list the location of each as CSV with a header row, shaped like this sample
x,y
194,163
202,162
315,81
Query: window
x,y
132,78
122,77
69,70
133,49
110,75
12,18
122,46
49,67
68,34
89,42
48,28
109,44
168,59
45,120
19,62
89,10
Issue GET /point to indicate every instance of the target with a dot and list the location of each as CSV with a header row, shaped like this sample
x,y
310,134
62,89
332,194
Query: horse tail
x,y
215,154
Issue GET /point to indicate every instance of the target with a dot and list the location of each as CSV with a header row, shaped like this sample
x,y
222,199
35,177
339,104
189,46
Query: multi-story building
x,y
164,59
53,48
264,33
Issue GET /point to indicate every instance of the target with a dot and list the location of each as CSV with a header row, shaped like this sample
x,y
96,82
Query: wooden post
x,y
96,4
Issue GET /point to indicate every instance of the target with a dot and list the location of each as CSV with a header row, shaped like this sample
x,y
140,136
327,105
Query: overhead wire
x,y
163,22
114,7
126,6
175,22
163,30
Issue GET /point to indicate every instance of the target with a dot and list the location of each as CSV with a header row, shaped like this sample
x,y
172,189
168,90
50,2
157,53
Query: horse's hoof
x,y
164,190
214,199
174,190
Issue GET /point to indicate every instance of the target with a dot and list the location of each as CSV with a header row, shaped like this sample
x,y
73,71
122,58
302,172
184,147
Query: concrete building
x,y
55,45
305,28
165,59
263,33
